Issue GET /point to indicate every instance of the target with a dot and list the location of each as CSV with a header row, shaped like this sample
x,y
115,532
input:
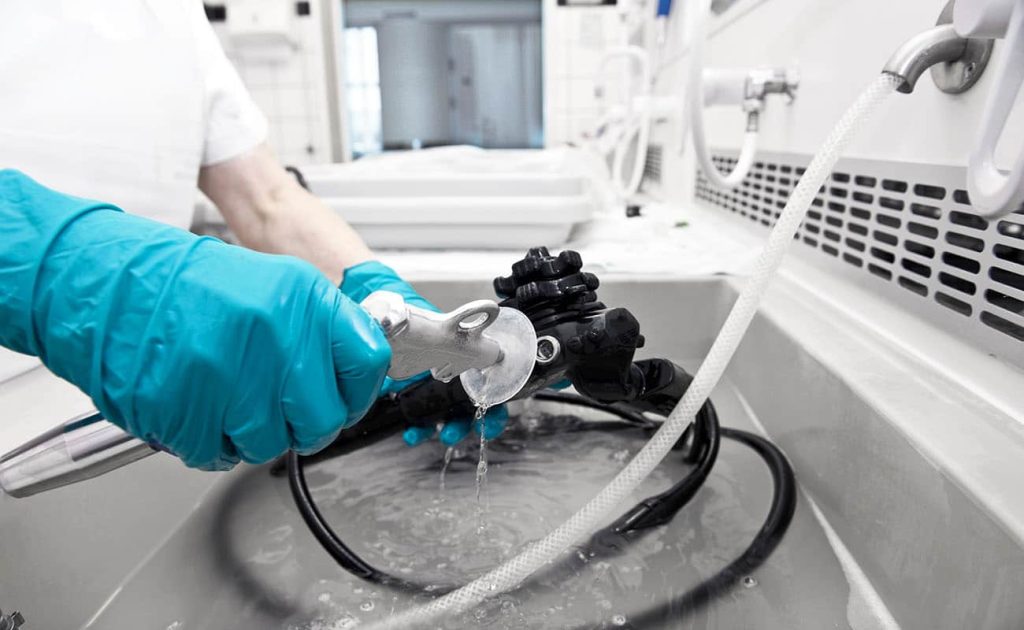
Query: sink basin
x,y
908,514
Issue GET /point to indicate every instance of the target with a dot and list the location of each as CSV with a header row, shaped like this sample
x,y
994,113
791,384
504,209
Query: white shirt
x,y
120,101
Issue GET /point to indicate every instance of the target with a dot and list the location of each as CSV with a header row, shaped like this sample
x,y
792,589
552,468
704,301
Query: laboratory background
x,y
738,283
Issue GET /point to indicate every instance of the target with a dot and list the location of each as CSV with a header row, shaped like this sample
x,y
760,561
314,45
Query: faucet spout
x,y
940,44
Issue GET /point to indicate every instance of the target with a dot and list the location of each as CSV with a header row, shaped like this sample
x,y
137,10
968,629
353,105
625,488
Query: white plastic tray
x,y
501,200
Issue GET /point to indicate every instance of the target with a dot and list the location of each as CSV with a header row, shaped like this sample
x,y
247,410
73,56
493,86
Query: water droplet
x,y
366,606
619,620
750,581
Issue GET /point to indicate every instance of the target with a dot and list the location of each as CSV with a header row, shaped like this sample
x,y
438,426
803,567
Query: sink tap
x,y
956,62
936,45
764,81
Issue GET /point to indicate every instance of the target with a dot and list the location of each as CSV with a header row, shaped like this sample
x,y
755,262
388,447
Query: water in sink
x,y
245,560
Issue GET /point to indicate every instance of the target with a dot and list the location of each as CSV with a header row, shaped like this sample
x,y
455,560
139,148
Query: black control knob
x,y
544,286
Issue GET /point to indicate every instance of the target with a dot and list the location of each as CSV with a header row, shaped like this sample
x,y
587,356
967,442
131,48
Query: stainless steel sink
x,y
908,513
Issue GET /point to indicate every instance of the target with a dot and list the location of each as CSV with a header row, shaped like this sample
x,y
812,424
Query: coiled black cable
x,y
650,512
342,554
780,515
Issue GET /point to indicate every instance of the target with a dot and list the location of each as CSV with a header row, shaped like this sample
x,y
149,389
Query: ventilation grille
x,y
652,165
909,227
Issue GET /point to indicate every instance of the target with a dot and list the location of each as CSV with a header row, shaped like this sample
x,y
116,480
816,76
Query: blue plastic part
x,y
215,352
664,8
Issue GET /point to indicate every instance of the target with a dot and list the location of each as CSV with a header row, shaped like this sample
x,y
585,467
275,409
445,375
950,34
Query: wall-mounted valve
x,y
748,89
764,81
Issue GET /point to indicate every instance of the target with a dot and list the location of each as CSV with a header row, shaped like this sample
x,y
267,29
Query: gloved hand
x,y
363,279
214,352
454,431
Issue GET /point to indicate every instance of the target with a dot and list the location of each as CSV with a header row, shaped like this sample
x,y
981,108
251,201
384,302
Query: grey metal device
x,y
81,448
956,63
446,344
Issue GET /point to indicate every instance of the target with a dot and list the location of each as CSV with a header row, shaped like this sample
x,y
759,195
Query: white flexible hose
x,y
638,125
625,188
596,511
695,94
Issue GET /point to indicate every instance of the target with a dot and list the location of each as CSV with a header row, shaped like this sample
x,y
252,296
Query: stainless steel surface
x,y
80,449
445,344
938,45
915,473
836,401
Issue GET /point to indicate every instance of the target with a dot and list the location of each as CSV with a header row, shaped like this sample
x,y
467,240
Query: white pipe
x,y
695,96
637,54
642,132
637,125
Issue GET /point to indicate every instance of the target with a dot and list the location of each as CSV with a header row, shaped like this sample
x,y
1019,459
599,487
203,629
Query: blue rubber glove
x,y
363,279
214,352
454,431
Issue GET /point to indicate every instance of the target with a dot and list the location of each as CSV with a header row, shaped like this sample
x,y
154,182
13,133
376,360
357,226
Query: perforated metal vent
x,y
652,165
910,229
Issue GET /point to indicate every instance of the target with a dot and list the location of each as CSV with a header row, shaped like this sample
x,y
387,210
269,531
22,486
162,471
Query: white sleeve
x,y
233,122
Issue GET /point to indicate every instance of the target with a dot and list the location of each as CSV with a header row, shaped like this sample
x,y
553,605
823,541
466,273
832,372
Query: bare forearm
x,y
268,211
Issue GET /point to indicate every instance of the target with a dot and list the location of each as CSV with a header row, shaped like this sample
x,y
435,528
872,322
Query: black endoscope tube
x,y
780,515
334,546
630,416
650,512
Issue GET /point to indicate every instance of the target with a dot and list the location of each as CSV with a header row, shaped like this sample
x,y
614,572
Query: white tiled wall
x,y
291,92
574,41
